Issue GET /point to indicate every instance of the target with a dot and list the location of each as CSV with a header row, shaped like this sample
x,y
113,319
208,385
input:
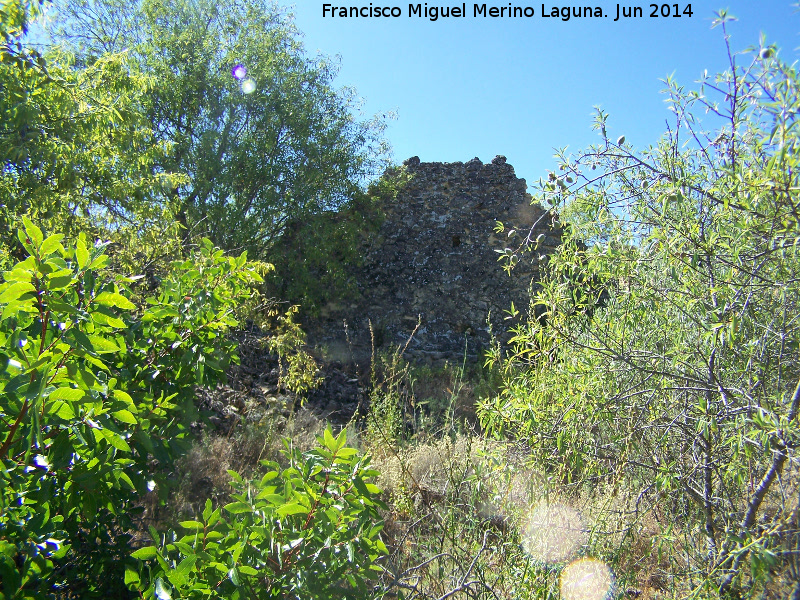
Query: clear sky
x,y
465,87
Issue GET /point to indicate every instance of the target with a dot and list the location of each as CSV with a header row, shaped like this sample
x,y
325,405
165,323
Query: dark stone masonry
x,y
434,260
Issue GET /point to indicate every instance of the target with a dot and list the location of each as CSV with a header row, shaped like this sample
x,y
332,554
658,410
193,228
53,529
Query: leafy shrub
x,y
297,368
683,389
310,530
318,255
91,393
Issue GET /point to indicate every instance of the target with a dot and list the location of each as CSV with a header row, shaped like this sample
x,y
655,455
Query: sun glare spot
x,y
248,86
238,72
553,533
587,579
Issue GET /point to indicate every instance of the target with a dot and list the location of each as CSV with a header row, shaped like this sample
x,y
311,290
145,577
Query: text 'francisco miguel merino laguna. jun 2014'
x,y
564,13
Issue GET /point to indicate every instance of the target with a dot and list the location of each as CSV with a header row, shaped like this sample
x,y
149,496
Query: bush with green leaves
x,y
310,530
92,391
318,257
683,390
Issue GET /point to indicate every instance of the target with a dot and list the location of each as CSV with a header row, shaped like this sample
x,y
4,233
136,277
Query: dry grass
x,y
445,495
204,469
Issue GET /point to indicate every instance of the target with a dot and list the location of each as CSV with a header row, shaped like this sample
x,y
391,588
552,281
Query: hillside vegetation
x,y
635,438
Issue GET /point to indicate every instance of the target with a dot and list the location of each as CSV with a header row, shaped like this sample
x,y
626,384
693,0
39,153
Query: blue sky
x,y
520,87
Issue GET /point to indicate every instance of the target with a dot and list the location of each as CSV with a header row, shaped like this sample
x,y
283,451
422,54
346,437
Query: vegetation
x,y
256,159
92,397
319,254
309,530
683,390
77,155
642,422
98,369
90,394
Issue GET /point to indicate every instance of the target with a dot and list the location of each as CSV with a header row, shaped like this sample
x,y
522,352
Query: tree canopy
x,y
77,154
121,137
273,142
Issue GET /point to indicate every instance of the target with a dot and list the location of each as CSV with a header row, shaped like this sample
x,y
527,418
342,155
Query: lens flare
x,y
238,72
553,533
248,86
587,579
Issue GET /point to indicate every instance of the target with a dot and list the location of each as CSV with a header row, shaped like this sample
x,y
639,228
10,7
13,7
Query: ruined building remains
x,y
434,260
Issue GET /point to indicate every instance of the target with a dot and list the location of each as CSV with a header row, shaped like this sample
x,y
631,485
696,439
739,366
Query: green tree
x,y
76,153
256,157
683,389
15,17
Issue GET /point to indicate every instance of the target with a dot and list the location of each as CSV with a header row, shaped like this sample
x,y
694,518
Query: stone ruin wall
x,y
434,259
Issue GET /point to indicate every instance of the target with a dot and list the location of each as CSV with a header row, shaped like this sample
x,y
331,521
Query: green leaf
x,y
59,283
330,442
131,576
341,440
372,488
51,244
145,553
61,451
124,416
14,291
114,299
123,476
33,232
271,497
124,397
103,345
187,564
104,319
82,339
222,568
291,509
269,476
66,393
61,410
194,525
115,440
176,578
100,262
237,508
346,453
208,509
81,254
214,518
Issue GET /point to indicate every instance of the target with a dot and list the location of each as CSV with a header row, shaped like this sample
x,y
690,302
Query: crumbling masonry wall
x,y
434,260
